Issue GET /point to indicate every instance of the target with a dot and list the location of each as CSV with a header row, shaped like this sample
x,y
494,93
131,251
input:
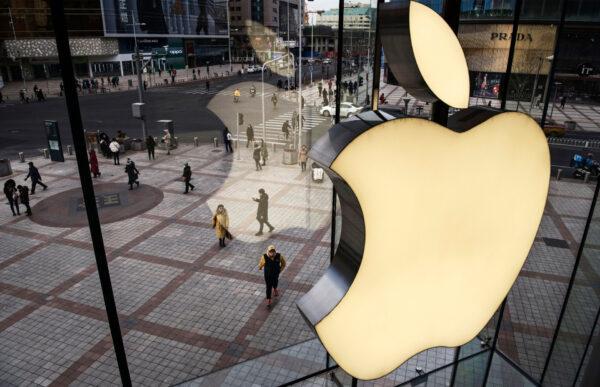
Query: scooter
x,y
584,165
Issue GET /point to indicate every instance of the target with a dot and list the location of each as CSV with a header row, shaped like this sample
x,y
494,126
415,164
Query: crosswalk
x,y
312,118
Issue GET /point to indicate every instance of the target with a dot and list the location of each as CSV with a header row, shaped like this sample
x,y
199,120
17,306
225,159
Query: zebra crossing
x,y
312,118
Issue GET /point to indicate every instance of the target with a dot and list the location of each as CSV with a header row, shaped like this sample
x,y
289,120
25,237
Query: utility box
x,y
137,109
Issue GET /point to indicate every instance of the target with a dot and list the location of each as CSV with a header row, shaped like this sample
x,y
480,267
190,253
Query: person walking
x,y
274,100
249,135
114,147
167,141
24,197
563,101
150,145
132,173
207,85
187,176
36,178
272,263
262,213
264,152
285,128
12,195
256,157
94,166
303,157
220,222
227,140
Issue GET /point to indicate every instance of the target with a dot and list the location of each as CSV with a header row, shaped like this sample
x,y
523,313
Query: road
x,y
194,110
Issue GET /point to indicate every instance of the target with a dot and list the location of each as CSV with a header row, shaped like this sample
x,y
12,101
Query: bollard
x,y
21,157
558,172
70,150
46,153
216,142
586,177
196,141
587,144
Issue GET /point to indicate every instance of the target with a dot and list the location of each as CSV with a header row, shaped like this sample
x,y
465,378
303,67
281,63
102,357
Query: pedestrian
x,y
249,135
194,74
173,74
274,100
36,178
115,147
207,85
24,197
227,140
256,157
262,213
220,222
1,97
320,86
303,157
132,173
272,263
264,152
62,89
285,128
12,195
329,85
187,176
150,145
325,99
563,101
302,102
167,140
94,167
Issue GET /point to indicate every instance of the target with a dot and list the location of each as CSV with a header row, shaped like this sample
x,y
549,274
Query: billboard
x,y
160,18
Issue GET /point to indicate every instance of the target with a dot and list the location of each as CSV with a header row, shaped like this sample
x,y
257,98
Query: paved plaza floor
x,y
190,309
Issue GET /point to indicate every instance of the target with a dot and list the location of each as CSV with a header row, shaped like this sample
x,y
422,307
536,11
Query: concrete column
x,y
91,73
121,67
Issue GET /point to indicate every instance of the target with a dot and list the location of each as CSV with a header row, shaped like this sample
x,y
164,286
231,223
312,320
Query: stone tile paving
x,y
189,308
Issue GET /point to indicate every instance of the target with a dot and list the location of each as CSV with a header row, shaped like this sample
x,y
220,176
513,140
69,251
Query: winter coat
x,y
94,163
303,155
220,224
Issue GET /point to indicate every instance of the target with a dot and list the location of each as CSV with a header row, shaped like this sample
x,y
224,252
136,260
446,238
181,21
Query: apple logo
x,y
436,224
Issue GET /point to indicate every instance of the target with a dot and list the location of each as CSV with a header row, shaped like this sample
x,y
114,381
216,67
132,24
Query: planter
x,y
570,125
290,156
5,168
138,145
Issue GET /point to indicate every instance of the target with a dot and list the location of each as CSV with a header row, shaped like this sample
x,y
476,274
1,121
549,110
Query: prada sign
x,y
505,36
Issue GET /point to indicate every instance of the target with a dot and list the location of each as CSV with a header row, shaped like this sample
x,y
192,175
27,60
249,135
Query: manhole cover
x,y
114,202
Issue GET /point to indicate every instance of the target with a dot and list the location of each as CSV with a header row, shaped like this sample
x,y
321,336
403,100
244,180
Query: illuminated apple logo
x,y
436,224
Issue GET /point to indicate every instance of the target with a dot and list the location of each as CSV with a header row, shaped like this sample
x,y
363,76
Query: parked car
x,y
346,110
554,130
327,61
253,69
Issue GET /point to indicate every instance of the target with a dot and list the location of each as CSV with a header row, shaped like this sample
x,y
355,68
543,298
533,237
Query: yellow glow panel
x,y
439,56
449,221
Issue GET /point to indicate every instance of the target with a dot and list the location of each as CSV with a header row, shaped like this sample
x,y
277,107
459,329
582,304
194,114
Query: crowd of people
x,y
19,194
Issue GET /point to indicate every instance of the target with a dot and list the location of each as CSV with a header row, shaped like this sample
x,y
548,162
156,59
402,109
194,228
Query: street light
x,y
12,24
262,96
139,64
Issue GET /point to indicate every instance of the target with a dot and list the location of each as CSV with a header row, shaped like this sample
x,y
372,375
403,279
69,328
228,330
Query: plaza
x,y
192,311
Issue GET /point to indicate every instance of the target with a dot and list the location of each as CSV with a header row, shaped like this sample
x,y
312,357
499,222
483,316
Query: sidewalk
x,y
51,87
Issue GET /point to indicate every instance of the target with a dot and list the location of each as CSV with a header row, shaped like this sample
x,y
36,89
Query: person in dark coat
x,y
12,195
249,135
35,178
272,263
285,128
94,167
150,145
187,176
262,214
256,157
227,140
132,173
24,196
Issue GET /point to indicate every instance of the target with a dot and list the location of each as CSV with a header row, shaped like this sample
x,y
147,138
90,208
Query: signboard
x,y
585,70
165,18
54,143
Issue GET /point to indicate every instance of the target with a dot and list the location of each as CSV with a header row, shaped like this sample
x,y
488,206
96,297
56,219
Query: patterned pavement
x,y
190,309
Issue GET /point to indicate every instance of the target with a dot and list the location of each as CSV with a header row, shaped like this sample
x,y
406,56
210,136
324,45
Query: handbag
x,y
228,235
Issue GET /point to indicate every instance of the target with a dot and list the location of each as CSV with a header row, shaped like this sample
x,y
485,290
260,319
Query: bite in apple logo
x,y
436,224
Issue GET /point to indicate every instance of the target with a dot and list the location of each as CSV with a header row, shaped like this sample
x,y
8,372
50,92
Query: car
x,y
554,130
253,69
346,110
327,61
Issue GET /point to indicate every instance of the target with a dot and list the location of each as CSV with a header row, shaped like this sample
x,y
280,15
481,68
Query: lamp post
x,y
12,25
301,21
139,65
556,84
262,95
229,38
